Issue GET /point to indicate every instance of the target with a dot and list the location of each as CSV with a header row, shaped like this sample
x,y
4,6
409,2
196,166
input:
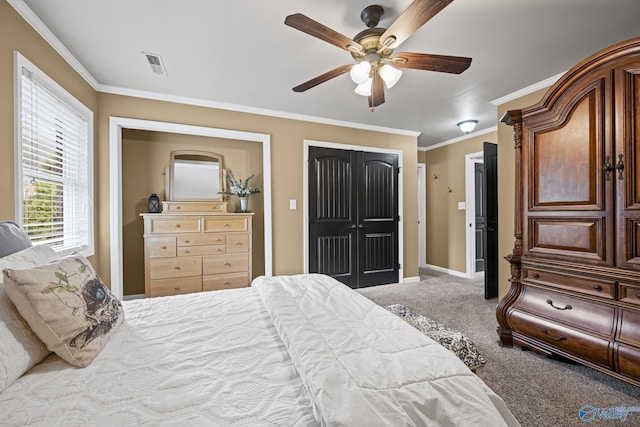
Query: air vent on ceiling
x,y
156,63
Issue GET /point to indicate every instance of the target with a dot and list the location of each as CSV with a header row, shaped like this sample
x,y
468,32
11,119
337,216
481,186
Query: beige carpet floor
x,y
540,391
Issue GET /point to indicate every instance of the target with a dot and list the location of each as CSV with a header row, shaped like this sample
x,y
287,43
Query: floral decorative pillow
x,y
67,306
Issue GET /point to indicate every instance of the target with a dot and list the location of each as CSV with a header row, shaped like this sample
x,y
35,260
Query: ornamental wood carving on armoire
x,y
575,266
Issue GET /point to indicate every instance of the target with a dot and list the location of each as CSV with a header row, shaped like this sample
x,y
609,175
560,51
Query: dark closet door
x,y
481,229
353,216
490,196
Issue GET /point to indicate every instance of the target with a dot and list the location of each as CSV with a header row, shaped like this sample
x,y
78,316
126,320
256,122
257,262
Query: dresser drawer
x,y
629,293
177,207
225,281
202,250
201,239
575,342
177,225
572,311
161,247
629,327
184,285
237,243
166,268
229,263
601,288
212,225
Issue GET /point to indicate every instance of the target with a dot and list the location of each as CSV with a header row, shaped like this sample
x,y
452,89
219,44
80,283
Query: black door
x,y
490,195
353,216
481,229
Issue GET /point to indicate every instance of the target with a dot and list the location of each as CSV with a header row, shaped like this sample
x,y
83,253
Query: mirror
x,y
195,176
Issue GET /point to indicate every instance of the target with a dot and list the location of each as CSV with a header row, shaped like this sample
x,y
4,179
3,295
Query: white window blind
x,y
55,185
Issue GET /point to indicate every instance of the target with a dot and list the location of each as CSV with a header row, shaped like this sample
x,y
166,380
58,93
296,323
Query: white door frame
x,y
470,160
422,215
305,202
116,124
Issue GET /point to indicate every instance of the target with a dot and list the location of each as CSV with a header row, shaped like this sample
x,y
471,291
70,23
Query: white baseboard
x,y
446,270
135,296
415,279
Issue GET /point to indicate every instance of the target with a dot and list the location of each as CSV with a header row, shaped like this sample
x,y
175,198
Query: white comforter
x,y
290,351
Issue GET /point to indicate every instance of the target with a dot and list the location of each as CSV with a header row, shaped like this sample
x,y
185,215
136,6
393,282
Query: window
x,y
54,174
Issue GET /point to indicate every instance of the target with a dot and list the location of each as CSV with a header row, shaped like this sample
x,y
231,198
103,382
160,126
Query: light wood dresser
x,y
196,251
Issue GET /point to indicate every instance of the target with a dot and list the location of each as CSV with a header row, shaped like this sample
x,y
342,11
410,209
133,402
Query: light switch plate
x,y
293,205
462,206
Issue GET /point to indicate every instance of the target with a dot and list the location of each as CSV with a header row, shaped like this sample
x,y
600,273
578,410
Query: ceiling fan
x,y
376,64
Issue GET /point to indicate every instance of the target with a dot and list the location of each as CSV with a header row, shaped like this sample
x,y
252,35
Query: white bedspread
x,y
290,351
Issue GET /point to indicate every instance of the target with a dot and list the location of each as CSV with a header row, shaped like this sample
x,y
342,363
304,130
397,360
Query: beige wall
x,y
446,224
17,35
506,187
287,138
144,158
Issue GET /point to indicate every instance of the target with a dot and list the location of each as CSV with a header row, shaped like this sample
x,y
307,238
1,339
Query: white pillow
x,y
21,349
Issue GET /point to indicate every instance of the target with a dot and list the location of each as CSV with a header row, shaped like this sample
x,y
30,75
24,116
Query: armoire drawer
x,y
228,263
569,310
629,293
573,341
629,330
167,268
225,281
628,360
183,285
600,288
199,207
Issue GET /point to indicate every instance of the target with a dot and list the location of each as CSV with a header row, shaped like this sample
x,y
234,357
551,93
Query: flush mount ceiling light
x,y
376,64
467,126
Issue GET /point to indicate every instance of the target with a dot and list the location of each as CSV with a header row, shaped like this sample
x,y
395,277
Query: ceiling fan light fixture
x,y
390,75
467,126
364,89
360,72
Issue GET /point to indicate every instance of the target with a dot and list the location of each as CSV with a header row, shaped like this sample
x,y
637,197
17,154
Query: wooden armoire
x,y
575,266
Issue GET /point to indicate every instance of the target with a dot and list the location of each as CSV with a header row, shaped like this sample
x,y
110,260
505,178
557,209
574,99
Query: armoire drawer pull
x,y
227,264
536,276
561,338
566,307
597,287
638,295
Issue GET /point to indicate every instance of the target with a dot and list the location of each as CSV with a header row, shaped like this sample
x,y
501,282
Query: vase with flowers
x,y
241,189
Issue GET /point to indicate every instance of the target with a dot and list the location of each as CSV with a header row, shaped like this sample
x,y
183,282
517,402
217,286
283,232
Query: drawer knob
x,y
227,264
177,225
187,251
176,289
218,250
561,338
177,267
226,225
227,284
178,208
638,295
597,287
238,243
187,241
566,307
536,276
163,247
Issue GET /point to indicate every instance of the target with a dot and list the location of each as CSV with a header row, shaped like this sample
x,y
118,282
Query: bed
x,y
300,350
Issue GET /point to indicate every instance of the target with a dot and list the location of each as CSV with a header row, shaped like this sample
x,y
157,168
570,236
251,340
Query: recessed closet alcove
x,y
145,154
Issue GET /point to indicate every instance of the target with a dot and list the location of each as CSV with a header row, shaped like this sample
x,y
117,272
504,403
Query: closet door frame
x,y
305,203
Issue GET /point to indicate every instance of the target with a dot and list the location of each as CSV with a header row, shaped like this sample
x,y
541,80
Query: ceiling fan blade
x,y
377,91
414,17
316,29
323,78
423,61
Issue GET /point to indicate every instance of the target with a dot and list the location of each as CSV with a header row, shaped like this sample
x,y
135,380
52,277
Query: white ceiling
x,y
240,52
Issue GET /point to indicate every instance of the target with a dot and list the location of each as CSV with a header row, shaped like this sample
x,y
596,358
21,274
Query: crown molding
x,y
460,138
44,31
527,90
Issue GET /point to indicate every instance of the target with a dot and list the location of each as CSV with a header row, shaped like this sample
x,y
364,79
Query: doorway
x,y
353,215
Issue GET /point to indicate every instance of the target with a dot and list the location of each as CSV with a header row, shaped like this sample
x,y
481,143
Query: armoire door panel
x,y
563,173
575,237
627,162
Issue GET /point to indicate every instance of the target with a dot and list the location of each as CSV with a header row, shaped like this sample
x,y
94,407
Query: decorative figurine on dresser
x,y
575,266
194,244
